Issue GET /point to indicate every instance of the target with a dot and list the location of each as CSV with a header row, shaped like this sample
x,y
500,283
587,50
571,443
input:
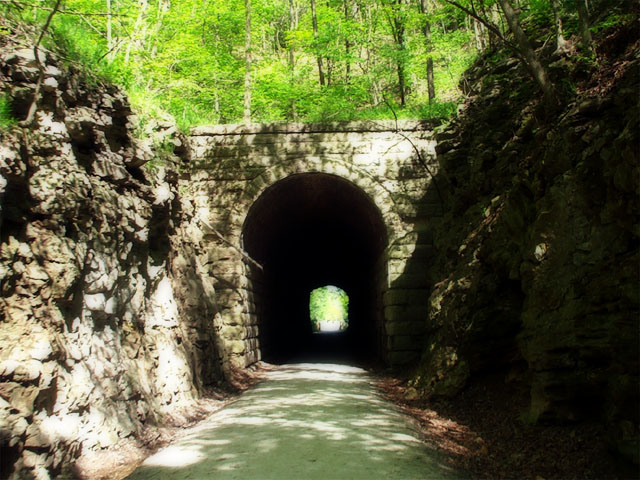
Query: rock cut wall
x,y
537,253
106,325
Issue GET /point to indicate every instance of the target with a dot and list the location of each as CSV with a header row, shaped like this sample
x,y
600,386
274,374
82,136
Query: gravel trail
x,y
306,421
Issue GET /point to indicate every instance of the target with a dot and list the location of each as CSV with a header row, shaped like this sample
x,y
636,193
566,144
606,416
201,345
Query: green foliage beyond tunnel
x,y
328,309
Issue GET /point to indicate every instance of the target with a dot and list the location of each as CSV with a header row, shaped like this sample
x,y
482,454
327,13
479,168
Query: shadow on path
x,y
311,421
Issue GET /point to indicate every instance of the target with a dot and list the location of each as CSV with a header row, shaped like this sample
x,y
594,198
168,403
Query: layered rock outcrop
x,y
538,250
106,325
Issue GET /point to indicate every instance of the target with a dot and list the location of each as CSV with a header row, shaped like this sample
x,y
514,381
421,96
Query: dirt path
x,y
311,421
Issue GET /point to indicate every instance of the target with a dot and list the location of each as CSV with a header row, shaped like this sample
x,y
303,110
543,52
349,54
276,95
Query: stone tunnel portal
x,y
309,230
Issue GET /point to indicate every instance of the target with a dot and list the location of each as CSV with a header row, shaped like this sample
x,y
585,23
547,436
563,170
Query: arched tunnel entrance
x,y
310,230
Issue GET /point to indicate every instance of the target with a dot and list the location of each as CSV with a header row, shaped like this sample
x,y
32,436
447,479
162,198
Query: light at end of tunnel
x,y
328,309
330,326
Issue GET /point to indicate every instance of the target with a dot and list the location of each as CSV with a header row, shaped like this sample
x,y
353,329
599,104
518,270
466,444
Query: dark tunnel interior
x,y
311,230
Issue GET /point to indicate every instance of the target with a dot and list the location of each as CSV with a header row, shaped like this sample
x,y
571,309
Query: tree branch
x,y
62,12
36,94
421,160
244,254
486,23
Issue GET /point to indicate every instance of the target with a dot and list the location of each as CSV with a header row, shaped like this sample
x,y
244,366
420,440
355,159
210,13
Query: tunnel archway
x,y
309,230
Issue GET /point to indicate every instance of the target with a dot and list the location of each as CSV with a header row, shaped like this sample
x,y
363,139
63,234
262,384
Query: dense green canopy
x,y
214,61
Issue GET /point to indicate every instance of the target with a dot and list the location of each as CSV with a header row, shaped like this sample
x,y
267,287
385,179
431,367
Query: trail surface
x,y
306,421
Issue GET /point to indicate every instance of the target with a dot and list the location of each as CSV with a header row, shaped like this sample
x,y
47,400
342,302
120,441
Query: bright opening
x,y
329,309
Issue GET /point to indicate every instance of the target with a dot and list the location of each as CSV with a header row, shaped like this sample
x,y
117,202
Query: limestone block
x,y
405,327
162,194
95,301
406,266
412,251
236,347
405,313
35,438
397,358
252,357
17,425
49,126
101,276
41,348
226,281
230,268
21,398
409,280
35,273
405,343
230,317
61,427
406,296
27,371
226,298
252,344
235,332
37,462
111,168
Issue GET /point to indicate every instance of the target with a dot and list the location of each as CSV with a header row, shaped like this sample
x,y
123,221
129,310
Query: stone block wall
x,y
392,163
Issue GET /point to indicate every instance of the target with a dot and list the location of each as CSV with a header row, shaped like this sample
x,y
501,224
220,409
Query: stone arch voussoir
x,y
374,188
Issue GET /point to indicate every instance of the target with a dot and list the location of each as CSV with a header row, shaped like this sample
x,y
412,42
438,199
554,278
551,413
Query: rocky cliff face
x,y
539,262
95,273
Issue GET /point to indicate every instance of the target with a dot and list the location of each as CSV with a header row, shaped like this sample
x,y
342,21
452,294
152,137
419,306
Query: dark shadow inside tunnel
x,y
310,230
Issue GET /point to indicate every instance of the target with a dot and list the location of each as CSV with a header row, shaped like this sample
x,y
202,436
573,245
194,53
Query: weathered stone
x,y
405,327
399,358
405,313
20,398
396,296
90,309
411,342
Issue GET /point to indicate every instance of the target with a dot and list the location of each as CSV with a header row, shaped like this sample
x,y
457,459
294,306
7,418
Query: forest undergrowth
x,y
198,62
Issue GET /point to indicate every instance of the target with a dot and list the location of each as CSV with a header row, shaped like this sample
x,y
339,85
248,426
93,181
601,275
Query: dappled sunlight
x,y
175,456
323,421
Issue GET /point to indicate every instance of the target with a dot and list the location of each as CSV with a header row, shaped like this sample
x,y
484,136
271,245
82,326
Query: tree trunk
x,y
292,27
247,60
399,34
401,83
561,43
430,84
163,8
139,26
431,89
314,20
478,35
33,108
109,32
583,22
494,38
347,46
529,57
